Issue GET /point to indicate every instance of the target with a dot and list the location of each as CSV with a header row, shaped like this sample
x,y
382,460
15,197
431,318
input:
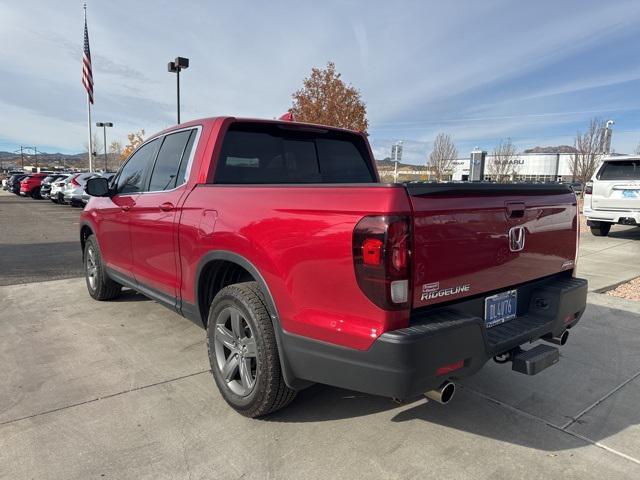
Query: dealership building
x,y
528,167
539,167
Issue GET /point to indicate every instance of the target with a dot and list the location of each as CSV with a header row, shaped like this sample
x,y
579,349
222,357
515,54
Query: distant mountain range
x,y
78,160
388,163
559,149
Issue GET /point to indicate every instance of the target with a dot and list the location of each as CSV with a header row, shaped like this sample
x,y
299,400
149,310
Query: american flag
x,y
87,75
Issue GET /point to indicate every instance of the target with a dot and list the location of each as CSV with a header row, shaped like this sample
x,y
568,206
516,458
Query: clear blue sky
x,y
481,71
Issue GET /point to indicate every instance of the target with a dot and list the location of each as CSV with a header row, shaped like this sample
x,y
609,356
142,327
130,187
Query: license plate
x,y
631,193
500,308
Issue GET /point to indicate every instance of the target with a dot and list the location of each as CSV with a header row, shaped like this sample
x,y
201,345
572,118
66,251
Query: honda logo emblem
x,y
516,239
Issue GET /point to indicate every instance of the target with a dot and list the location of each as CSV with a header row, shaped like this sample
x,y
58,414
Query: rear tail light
x,y
381,257
588,188
74,181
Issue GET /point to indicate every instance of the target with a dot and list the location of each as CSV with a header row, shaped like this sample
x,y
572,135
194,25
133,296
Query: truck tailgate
x,y
472,238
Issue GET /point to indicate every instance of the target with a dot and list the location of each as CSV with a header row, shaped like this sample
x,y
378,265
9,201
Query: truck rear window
x,y
620,170
259,153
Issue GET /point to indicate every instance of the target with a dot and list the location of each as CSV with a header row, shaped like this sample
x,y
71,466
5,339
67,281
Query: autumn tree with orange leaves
x,y
325,99
135,140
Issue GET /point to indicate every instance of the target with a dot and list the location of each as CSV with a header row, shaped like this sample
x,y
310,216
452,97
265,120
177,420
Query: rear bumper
x,y
612,216
403,363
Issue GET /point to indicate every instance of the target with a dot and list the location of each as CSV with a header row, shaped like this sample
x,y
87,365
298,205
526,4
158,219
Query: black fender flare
x,y
91,227
226,255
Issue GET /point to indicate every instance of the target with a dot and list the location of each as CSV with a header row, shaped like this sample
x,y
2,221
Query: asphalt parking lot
x,y
38,240
122,389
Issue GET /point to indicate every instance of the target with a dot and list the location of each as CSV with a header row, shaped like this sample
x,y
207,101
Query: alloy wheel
x,y
92,268
235,351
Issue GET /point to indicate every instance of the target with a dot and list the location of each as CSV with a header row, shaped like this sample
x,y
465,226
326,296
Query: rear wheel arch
x,y
221,268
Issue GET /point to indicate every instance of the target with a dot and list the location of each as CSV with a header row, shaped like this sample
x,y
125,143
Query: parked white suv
x,y
613,195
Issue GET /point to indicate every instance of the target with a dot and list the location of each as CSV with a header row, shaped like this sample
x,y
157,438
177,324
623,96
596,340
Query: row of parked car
x,y
64,188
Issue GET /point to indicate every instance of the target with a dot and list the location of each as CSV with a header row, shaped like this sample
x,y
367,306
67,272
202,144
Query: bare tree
x,y
97,146
504,164
590,147
442,157
115,151
115,147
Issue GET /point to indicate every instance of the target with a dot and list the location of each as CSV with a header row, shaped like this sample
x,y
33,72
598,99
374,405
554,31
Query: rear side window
x,y
132,175
186,158
257,153
165,170
620,170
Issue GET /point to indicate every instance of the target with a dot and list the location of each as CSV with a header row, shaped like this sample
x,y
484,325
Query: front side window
x,y
262,153
165,170
132,175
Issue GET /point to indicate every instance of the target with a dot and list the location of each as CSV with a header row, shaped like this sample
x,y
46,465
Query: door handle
x,y
125,208
166,206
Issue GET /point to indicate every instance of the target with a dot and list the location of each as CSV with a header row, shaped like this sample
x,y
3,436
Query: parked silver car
x,y
72,193
56,194
47,183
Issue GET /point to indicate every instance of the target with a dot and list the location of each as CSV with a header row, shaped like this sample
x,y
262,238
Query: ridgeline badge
x,y
433,290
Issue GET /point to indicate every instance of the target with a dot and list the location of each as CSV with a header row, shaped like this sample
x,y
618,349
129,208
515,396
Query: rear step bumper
x,y
403,363
621,216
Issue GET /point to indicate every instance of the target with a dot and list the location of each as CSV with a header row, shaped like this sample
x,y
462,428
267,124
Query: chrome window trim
x,y
187,172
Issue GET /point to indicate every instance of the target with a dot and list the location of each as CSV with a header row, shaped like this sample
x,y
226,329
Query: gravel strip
x,y
629,290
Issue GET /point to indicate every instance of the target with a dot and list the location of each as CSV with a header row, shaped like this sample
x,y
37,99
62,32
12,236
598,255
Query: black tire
x,y
601,230
35,193
100,286
269,392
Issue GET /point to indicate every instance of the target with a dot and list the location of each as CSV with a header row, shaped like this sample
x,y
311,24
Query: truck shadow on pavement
x,y
626,234
590,396
468,413
127,295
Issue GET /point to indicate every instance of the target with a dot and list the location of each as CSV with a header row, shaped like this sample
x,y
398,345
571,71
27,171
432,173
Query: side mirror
x,y
97,187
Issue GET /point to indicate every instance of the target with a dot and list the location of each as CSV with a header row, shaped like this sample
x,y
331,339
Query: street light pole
x,y
104,126
178,64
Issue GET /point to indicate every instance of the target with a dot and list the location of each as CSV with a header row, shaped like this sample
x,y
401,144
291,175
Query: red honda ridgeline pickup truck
x,y
280,240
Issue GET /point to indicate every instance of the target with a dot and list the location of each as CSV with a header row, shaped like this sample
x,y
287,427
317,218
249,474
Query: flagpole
x,y
89,111
90,136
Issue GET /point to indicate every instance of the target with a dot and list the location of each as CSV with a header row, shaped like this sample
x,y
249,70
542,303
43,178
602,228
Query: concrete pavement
x,y
122,390
609,261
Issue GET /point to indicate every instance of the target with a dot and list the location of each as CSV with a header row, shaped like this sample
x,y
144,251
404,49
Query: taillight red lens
x,y
381,256
588,189
372,251
398,239
74,181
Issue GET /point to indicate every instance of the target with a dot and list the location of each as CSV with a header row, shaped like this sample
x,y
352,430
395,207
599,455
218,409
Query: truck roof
x,y
620,158
210,120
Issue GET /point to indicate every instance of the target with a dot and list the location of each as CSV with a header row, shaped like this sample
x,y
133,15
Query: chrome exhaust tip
x,y
561,340
443,394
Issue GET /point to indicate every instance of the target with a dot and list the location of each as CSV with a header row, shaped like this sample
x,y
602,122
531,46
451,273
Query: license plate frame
x,y
500,308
